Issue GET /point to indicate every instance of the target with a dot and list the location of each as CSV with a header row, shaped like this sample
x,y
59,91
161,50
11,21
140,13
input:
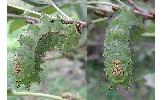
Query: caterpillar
x,y
38,39
123,27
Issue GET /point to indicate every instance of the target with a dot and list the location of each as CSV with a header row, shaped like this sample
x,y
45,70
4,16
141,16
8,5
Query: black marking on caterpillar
x,y
117,52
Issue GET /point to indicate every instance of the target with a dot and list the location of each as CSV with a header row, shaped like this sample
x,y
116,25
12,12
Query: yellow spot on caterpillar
x,y
17,67
117,67
117,62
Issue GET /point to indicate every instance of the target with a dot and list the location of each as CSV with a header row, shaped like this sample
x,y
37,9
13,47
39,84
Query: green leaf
x,y
13,10
45,24
20,3
38,3
15,24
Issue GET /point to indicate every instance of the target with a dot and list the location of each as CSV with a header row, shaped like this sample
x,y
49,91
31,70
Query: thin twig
x,y
14,93
135,6
146,15
67,20
98,20
78,2
102,2
27,10
121,3
105,12
148,35
13,16
136,10
94,8
114,6
140,11
58,9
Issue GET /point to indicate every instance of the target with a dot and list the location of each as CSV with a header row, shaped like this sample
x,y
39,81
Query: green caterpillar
x,y
38,39
123,28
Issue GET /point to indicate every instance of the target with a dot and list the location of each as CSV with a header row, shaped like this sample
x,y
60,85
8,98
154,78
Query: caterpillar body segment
x,y
117,52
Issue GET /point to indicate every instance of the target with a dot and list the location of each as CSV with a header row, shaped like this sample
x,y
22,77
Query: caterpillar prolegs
x,y
38,39
117,51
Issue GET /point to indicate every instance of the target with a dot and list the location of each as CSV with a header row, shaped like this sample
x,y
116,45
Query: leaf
x,y
45,24
57,26
13,10
38,3
15,24
48,10
20,3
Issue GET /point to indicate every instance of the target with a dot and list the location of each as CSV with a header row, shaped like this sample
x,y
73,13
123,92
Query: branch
x,y
27,10
114,7
74,3
98,20
103,11
67,20
146,15
136,10
28,19
94,8
102,2
148,34
140,11
21,17
31,20
135,6
14,93
58,9
121,3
